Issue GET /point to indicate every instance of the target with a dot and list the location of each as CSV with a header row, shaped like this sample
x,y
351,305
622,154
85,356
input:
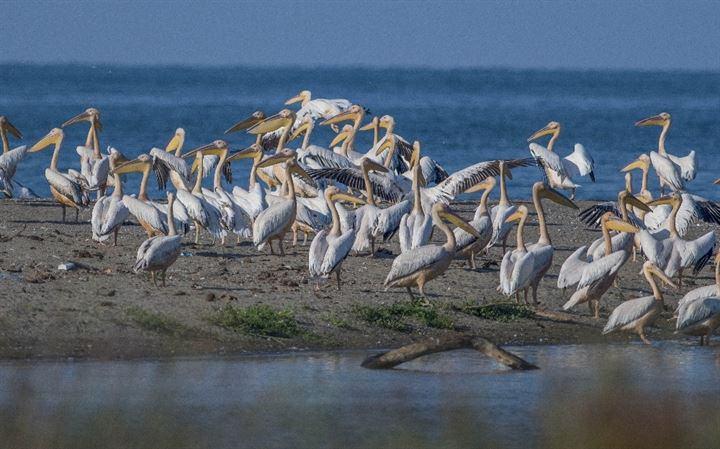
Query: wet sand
x,y
103,310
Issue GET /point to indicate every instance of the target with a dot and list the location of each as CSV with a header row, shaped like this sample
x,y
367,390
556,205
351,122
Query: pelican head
x,y
305,127
91,115
139,164
613,223
543,190
282,119
216,147
290,158
520,213
116,157
388,143
344,134
662,119
54,137
487,184
177,141
246,123
650,269
353,113
629,199
7,127
333,193
641,163
551,128
252,151
368,165
673,200
304,96
444,213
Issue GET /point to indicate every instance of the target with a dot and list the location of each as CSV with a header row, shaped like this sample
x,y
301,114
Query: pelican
x,y
636,314
525,266
500,212
205,206
65,189
319,107
366,216
147,213
671,170
110,212
698,311
9,161
314,156
416,225
158,253
280,122
329,249
596,277
420,265
560,172
253,199
674,254
467,244
94,166
275,221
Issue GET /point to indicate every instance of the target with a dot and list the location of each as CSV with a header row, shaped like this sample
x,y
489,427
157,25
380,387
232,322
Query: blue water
x,y
460,116
318,400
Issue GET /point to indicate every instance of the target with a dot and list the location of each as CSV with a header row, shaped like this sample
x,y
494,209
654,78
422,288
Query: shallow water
x,y
460,116
316,400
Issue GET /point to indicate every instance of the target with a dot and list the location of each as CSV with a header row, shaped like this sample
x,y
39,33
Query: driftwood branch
x,y
412,351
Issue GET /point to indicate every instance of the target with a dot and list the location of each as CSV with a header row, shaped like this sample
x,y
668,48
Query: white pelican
x,y
275,221
366,216
146,212
698,311
500,212
596,277
671,170
560,172
317,108
253,199
416,225
158,253
674,254
94,166
420,265
110,212
636,314
9,160
329,249
467,244
314,156
65,189
207,208
524,267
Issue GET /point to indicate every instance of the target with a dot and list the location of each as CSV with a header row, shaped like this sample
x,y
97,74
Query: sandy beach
x,y
101,309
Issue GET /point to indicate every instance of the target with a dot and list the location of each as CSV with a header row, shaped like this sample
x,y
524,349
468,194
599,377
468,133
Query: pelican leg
x,y
197,233
63,217
525,293
517,297
77,212
590,306
337,277
572,195
702,340
504,245
305,238
115,234
164,275
564,290
152,276
280,244
643,337
707,338
372,246
272,251
534,294
409,291
597,309
472,260
295,232
680,278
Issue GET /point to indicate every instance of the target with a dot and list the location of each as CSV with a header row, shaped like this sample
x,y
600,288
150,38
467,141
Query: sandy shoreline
x,y
102,310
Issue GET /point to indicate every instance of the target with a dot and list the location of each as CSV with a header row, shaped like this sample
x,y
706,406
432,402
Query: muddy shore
x,y
101,309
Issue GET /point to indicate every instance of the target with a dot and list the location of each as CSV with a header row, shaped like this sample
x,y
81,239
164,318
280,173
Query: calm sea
x,y
460,116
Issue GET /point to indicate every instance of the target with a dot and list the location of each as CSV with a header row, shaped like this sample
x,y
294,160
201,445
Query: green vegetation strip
x,y
261,320
393,316
501,311
158,323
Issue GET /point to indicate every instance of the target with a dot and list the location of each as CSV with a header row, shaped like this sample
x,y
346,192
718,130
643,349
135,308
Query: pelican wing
x,y
580,162
697,311
387,220
321,108
308,214
598,270
317,157
338,249
160,253
548,159
115,215
666,170
628,312
316,254
252,201
177,164
67,186
97,217
501,227
412,261
706,291
695,252
352,177
432,171
270,221
10,160
693,209
146,212
686,164
482,224
571,270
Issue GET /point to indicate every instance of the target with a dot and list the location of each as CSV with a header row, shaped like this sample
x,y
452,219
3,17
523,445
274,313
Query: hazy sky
x,y
657,34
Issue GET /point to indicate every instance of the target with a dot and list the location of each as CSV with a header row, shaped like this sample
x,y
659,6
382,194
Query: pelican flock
x,y
352,196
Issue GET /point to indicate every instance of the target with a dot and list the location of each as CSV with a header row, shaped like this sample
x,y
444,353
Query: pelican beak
x,y
655,120
557,197
300,130
457,220
637,164
9,127
176,141
349,198
654,269
516,216
487,184
248,152
135,165
216,148
51,138
302,173
339,137
296,99
254,119
271,124
542,132
415,156
341,117
374,166
387,143
370,126
86,116
635,202
620,226
277,159
660,201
